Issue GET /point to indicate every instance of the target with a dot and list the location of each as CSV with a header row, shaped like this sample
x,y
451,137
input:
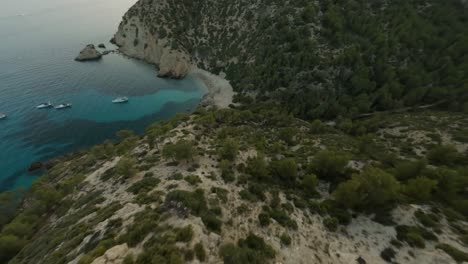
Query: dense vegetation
x,y
325,58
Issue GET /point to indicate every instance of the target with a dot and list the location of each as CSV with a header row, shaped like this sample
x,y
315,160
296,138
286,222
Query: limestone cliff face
x,y
211,35
135,40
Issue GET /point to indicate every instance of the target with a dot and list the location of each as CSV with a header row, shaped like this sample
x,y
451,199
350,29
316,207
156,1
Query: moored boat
x,y
120,100
44,105
63,106
3,116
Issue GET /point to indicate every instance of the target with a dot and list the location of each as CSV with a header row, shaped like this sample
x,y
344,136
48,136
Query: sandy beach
x,y
220,92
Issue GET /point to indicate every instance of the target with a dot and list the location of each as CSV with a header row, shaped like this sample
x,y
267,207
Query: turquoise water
x,y
39,40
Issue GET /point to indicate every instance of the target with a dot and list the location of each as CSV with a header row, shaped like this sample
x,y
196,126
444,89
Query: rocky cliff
x,y
210,35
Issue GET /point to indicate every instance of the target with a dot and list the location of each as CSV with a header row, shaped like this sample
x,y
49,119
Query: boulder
x,y
35,166
102,46
89,53
173,65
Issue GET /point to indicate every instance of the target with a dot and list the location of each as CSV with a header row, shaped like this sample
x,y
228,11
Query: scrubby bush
x,y
405,170
184,234
258,168
212,222
309,182
329,165
414,236
195,201
428,220
331,223
285,170
10,245
264,219
288,135
420,189
252,249
444,155
183,150
458,255
229,149
200,252
227,172
285,239
283,218
126,167
144,185
193,179
373,188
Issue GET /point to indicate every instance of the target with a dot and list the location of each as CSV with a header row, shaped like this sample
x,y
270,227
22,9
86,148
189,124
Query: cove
x,y
39,42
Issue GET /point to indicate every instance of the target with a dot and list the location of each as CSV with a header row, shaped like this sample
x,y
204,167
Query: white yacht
x,y
120,100
3,116
44,105
63,106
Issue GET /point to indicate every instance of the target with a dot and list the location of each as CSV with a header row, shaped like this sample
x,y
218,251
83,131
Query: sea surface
x,y
39,40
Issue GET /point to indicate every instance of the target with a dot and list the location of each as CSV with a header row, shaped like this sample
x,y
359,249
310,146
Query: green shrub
x,y
229,149
309,182
458,255
200,252
285,239
284,170
373,188
185,234
126,167
257,167
414,236
283,219
331,223
444,155
420,189
212,222
427,220
144,185
405,170
193,179
227,172
221,193
329,165
264,219
252,249
195,201
99,250
177,177
10,245
181,151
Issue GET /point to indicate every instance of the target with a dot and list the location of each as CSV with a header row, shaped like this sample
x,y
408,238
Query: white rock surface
x,y
136,41
113,255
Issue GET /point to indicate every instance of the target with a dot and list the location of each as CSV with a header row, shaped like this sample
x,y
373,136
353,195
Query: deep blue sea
x,y
39,40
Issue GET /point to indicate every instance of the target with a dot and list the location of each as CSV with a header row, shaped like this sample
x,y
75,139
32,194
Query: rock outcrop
x,y
89,53
135,40
113,255
173,65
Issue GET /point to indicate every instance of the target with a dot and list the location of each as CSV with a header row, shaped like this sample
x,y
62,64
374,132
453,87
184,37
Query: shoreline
x,y
220,92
